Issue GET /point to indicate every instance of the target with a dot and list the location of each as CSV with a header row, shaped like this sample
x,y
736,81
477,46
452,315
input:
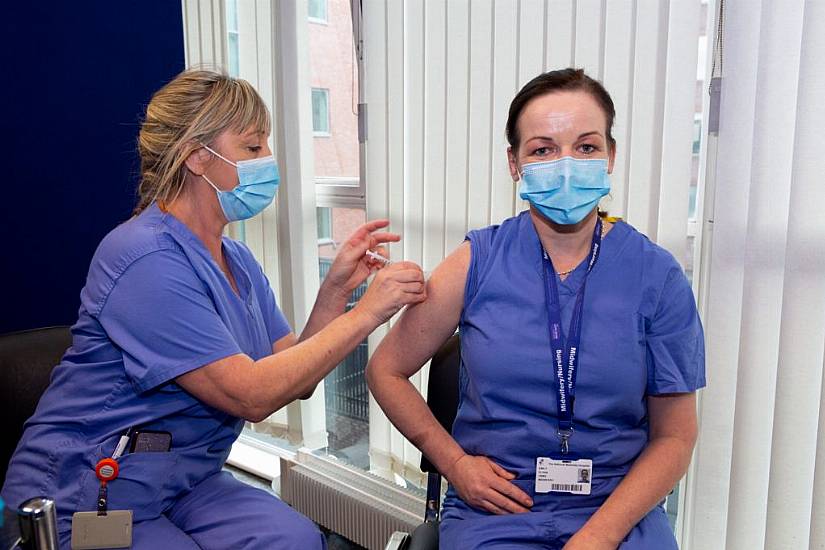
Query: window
x,y
324,221
318,11
320,111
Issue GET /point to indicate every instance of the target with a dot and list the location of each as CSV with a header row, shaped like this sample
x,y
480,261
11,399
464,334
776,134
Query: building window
x,y
320,111
324,219
318,11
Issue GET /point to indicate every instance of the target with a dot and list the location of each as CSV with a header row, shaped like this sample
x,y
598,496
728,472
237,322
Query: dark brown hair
x,y
563,80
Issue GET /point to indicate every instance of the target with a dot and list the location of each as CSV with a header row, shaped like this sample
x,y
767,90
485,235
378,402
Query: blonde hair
x,y
194,108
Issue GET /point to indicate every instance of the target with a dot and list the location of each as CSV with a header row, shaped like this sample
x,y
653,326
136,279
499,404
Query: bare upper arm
x,y
424,327
226,383
673,415
223,384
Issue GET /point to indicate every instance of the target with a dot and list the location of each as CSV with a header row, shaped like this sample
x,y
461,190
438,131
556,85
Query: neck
x,y
195,211
567,245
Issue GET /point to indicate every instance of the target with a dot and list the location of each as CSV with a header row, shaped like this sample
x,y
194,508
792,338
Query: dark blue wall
x,y
76,77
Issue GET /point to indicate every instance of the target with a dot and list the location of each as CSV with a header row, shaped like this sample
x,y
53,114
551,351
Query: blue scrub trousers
x,y
222,513
547,530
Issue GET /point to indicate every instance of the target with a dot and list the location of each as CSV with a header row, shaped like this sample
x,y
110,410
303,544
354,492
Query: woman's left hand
x,y
351,266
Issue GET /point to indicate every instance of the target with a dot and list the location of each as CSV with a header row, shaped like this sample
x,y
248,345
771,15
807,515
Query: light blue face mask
x,y
258,181
565,190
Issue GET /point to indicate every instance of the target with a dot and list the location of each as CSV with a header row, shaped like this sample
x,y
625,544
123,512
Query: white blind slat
x,y
590,37
677,130
809,165
560,34
435,116
505,66
458,142
479,128
531,40
618,79
646,120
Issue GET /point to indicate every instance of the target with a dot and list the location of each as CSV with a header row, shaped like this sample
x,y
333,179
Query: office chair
x,y
26,362
442,398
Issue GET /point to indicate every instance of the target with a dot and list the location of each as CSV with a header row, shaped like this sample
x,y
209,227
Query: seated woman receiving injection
x,y
581,352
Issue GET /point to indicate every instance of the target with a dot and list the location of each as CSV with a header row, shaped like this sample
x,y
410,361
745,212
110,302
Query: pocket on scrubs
x,y
144,484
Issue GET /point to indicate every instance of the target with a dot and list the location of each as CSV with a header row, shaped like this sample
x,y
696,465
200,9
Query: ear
x,y
513,163
198,160
611,159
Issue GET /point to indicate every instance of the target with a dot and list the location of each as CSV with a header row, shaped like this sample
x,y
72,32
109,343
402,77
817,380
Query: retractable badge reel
x,y
104,528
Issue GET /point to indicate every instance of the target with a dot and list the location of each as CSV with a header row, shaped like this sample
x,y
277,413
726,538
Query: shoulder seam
x,y
130,260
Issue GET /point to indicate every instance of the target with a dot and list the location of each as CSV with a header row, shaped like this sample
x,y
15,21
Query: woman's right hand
x,y
485,485
393,287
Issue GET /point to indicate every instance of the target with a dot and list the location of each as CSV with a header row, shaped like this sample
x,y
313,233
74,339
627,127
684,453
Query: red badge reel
x,y
106,471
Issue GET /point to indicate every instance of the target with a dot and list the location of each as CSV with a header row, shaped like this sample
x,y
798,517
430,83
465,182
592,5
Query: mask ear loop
x,y
220,156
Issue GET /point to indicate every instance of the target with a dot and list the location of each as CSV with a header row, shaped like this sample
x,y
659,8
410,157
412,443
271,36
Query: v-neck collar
x,y
235,264
570,285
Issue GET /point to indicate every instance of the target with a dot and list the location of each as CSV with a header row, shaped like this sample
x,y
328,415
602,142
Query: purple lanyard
x,y
569,354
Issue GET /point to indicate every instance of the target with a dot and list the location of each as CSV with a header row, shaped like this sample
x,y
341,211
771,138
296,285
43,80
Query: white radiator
x,y
360,506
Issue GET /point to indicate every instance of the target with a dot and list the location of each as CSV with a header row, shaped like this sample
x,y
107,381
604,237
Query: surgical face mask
x,y
258,181
565,190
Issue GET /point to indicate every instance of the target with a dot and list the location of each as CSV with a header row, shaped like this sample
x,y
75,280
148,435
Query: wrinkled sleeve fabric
x,y
675,340
163,320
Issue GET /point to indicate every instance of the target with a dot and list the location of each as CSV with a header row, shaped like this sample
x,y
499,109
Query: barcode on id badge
x,y
566,487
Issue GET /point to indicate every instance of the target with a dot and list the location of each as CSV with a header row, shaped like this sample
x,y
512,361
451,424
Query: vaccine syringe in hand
x,y
378,257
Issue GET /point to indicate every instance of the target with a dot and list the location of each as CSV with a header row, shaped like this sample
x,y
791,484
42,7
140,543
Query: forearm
x,y
279,379
654,474
407,410
329,305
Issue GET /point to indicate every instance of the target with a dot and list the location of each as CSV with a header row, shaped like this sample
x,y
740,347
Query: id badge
x,y
563,476
113,530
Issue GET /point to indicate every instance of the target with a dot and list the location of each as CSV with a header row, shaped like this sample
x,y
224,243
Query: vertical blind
x,y
438,80
759,479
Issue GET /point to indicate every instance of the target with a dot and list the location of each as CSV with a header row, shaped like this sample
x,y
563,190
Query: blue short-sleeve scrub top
x,y
155,306
641,336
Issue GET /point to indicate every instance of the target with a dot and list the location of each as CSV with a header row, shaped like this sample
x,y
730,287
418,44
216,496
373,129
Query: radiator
x,y
360,506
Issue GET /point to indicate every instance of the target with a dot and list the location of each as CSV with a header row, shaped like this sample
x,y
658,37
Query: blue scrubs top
x,y
641,336
155,306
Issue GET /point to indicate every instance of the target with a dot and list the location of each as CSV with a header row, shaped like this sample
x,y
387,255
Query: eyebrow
x,y
581,136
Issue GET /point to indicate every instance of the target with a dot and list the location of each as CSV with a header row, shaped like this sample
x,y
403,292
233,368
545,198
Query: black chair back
x,y
26,362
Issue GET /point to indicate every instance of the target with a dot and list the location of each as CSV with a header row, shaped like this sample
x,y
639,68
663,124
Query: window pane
x,y
318,9
333,72
345,388
320,110
324,218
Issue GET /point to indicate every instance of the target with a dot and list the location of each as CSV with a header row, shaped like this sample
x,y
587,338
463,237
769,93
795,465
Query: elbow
x,y
307,394
372,375
255,415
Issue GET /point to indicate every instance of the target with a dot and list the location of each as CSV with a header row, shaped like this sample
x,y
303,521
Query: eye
x,y
542,151
588,148
254,148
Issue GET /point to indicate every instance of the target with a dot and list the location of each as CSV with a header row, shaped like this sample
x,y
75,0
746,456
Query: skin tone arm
x,y
349,269
660,466
411,342
253,390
